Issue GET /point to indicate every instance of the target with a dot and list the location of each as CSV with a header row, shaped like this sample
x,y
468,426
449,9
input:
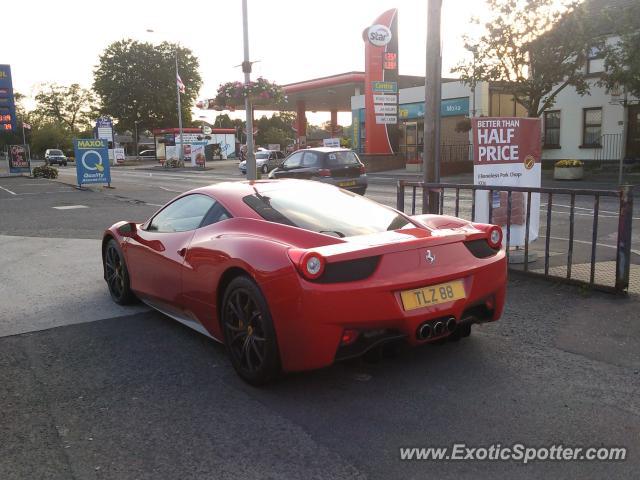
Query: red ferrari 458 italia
x,y
293,275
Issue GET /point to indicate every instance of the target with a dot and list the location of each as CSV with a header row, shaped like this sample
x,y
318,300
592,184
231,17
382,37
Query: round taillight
x,y
495,237
312,265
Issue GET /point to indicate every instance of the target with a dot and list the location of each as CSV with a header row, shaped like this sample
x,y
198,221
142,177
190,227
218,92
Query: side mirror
x,y
128,230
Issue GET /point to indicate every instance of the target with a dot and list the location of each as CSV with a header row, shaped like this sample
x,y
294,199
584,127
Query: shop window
x,y
552,129
591,127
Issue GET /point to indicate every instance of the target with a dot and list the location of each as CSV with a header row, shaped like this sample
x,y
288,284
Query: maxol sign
x,y
92,161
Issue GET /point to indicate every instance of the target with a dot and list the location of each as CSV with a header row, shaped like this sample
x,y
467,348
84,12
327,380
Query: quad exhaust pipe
x,y
435,329
451,325
425,331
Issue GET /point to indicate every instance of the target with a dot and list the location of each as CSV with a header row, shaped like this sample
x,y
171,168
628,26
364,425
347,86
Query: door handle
x,y
182,252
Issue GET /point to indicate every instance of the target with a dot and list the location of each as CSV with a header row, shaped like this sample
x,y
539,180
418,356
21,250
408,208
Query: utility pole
x,y
135,122
246,68
430,158
180,151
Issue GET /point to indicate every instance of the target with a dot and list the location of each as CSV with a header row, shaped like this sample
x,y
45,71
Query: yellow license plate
x,y
347,184
432,295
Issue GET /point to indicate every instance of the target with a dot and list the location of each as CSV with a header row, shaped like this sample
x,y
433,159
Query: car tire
x,y
249,334
117,275
64,164
265,169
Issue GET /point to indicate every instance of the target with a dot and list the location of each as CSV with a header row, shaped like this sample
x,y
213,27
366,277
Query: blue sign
x,y
448,108
7,101
454,106
104,122
92,161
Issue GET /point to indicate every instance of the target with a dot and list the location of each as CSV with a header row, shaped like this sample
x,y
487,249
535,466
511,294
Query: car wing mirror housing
x,y
128,230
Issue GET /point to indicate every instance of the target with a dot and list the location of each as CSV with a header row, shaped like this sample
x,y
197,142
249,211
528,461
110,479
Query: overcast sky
x,y
60,41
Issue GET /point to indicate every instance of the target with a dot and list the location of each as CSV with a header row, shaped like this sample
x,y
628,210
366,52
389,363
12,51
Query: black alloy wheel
x,y
249,334
117,275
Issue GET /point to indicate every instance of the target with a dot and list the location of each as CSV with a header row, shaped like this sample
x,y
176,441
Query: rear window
x,y
326,210
341,159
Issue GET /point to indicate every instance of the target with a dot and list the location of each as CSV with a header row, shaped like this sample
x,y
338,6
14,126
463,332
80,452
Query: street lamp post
x,y
246,68
431,160
180,151
135,123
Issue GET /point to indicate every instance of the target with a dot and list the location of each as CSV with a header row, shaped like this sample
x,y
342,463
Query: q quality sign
x,y
506,152
92,161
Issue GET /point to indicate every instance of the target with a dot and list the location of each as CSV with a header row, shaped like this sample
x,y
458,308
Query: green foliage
x,y
137,80
45,171
276,129
71,107
173,163
568,163
261,91
537,47
50,135
622,58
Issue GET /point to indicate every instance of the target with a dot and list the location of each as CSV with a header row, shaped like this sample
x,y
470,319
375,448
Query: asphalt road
x,y
119,393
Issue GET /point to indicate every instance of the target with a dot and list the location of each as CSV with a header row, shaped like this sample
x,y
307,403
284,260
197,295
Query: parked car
x,y
338,166
54,156
295,275
147,155
266,160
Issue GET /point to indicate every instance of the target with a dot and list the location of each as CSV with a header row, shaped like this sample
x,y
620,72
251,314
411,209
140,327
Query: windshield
x,y
262,155
55,152
326,210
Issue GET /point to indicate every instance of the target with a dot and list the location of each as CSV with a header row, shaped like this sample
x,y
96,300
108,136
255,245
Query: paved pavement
x,y
119,393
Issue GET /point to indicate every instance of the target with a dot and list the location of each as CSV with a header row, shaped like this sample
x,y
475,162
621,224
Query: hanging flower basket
x,y
233,94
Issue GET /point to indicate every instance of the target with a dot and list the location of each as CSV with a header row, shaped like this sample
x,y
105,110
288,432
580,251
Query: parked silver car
x,y
266,160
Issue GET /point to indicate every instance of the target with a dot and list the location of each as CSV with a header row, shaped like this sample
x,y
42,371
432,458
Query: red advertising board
x,y
506,152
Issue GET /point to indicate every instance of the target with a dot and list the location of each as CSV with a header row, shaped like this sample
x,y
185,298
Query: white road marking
x,y
70,207
7,190
637,252
169,190
154,204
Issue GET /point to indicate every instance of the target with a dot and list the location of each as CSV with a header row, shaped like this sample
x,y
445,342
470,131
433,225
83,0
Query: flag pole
x,y
180,152
24,143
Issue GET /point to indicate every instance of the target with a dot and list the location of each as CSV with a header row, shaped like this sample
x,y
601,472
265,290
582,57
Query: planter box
x,y
568,173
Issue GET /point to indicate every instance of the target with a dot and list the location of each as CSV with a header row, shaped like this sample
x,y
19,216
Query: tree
x,y
72,107
137,81
276,129
535,47
50,135
622,57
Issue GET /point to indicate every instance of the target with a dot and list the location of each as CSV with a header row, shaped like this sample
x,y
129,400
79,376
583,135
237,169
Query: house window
x,y
595,61
591,127
552,128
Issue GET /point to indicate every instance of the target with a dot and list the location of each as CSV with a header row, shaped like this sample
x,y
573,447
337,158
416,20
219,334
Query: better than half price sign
x,y
506,152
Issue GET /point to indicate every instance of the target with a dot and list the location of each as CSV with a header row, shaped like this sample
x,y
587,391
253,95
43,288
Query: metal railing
x,y
605,278
611,148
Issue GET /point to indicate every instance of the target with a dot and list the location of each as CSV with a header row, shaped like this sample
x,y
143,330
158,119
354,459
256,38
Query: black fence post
x,y
400,196
623,255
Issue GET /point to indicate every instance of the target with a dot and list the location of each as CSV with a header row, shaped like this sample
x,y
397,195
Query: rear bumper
x,y
357,185
310,318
